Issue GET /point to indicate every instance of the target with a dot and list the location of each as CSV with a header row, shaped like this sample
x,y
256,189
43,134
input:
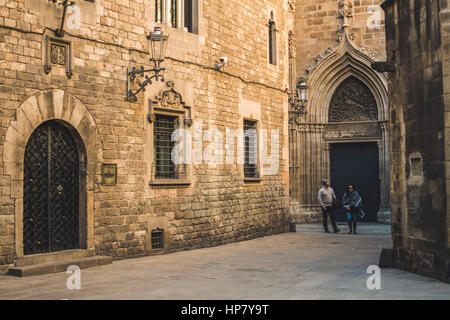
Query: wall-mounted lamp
x,y
301,90
297,101
64,3
157,43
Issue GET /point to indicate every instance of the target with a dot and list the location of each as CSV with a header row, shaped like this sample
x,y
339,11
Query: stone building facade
x,y
71,142
418,56
344,135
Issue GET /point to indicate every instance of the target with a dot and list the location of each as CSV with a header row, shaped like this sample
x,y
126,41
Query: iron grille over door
x,y
51,191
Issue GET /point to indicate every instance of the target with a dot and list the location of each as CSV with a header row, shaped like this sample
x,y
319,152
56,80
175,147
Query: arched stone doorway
x,y
51,208
353,133
347,105
74,120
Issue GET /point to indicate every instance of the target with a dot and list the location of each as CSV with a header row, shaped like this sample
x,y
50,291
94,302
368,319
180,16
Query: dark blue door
x,y
356,163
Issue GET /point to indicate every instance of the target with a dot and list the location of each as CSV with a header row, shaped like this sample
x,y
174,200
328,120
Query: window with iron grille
x,y
250,151
158,239
164,126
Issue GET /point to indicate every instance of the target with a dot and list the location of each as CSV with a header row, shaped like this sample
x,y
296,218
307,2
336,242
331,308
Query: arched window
x,y
353,101
272,40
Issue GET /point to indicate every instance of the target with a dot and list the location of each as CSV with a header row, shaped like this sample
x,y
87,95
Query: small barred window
x,y
158,239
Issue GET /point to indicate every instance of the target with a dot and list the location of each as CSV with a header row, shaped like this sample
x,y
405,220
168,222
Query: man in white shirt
x,y
325,197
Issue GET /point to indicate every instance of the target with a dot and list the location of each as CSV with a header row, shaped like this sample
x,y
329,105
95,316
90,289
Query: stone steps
x,y
58,266
53,257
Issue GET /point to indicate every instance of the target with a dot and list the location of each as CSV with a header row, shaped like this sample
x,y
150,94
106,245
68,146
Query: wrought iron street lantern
x,y
301,91
297,101
157,43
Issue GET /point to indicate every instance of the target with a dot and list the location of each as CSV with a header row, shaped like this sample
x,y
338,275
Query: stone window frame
x,y
170,102
163,14
155,223
48,66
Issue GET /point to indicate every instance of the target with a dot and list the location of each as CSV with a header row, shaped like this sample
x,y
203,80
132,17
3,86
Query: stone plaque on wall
x,y
354,130
109,174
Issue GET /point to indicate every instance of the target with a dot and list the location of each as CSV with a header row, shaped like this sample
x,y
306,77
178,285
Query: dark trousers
x,y
329,212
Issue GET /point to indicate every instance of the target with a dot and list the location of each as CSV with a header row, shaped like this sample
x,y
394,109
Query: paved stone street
x,y
304,265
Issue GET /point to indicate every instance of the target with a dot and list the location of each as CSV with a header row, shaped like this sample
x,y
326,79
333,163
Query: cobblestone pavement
x,y
304,265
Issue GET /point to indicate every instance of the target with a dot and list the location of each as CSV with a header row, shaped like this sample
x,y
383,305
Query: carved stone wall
x,y
318,29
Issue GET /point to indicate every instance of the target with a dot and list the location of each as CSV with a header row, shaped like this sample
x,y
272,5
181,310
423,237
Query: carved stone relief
x,y
353,101
170,100
318,59
291,5
358,130
291,41
57,52
345,9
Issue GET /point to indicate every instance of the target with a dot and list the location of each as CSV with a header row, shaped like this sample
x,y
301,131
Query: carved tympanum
x,y
353,101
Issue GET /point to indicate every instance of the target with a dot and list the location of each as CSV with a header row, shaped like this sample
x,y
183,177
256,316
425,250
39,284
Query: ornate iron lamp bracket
x,y
147,79
296,108
66,3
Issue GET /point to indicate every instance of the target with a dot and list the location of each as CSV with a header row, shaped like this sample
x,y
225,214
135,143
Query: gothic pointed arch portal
x,y
347,107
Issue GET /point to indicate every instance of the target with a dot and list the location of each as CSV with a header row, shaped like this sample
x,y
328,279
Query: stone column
x,y
182,13
167,16
315,169
303,165
383,147
326,163
179,14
